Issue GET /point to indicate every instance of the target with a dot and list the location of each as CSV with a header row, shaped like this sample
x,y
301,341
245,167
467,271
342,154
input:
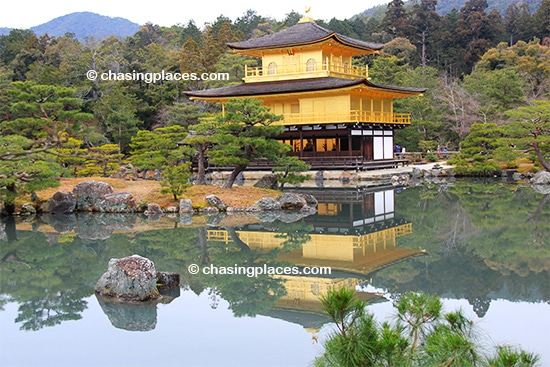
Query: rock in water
x,y
131,278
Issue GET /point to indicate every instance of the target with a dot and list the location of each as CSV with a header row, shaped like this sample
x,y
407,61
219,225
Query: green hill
x,y
86,25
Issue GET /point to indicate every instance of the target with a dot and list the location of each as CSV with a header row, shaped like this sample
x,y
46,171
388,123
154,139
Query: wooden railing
x,y
342,117
289,69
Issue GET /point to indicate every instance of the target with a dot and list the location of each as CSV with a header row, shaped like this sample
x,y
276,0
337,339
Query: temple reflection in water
x,y
354,233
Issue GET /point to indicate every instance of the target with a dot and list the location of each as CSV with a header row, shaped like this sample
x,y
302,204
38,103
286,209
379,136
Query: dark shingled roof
x,y
301,33
294,86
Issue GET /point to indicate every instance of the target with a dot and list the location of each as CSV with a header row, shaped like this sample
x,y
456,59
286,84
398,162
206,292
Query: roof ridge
x,y
301,33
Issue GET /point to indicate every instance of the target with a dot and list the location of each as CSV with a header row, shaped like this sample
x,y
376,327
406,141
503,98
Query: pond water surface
x,y
481,246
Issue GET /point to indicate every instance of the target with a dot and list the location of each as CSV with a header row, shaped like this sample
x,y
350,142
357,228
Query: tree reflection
x,y
51,310
485,240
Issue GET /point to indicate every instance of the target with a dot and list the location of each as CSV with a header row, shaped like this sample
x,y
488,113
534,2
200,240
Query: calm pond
x,y
482,246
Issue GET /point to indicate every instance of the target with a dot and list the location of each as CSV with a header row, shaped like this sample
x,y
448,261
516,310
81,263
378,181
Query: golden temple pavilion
x,y
334,116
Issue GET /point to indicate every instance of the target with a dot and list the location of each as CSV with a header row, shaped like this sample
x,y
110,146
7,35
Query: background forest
x,y
479,66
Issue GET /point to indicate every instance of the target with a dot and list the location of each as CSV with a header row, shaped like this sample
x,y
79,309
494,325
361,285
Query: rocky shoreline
x,y
99,197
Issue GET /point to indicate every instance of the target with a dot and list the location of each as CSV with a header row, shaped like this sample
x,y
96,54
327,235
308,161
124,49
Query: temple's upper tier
x,y
303,34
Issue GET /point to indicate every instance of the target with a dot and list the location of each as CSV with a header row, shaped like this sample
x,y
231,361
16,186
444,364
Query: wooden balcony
x,y
343,117
304,70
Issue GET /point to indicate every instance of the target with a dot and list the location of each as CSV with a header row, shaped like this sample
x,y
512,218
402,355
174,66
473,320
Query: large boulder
x,y
267,182
310,200
186,206
291,201
27,209
154,209
216,202
131,278
61,202
541,178
89,193
266,204
120,202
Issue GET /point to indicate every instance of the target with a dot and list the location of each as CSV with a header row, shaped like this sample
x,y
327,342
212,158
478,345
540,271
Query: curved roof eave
x,y
295,86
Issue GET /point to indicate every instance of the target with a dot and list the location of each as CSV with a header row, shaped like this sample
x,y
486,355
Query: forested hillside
x,y
447,6
84,25
478,65
444,7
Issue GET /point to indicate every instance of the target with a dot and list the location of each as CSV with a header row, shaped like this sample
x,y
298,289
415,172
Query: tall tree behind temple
x,y
518,23
396,21
191,31
542,20
531,60
63,63
447,55
474,33
15,42
425,30
214,44
248,22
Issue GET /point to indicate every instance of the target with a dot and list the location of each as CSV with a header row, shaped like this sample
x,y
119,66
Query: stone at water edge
x,y
186,206
60,203
541,178
291,201
310,200
216,202
266,204
131,278
120,202
167,280
89,193
267,182
153,209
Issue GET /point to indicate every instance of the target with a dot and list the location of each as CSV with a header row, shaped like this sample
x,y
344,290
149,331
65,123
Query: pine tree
x,y
244,135
40,119
396,20
201,138
474,33
542,20
530,129
162,149
425,24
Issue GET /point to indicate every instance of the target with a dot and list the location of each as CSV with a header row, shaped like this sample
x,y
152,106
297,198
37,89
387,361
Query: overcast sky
x,y
26,14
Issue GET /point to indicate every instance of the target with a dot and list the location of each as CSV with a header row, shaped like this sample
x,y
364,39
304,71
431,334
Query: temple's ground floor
x,y
351,146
